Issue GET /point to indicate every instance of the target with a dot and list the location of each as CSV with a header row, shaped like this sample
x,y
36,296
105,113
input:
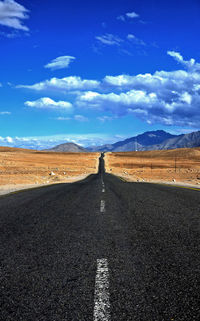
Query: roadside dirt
x,y
21,168
178,166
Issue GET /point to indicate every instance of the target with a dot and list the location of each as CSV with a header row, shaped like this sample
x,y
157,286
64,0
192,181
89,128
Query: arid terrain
x,y
20,167
178,165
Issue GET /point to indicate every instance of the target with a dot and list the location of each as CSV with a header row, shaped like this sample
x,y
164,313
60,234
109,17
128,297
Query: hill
x,y
68,148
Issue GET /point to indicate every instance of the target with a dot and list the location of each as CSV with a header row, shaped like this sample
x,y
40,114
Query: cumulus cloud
x,y
63,84
12,15
48,103
9,139
165,97
110,39
60,62
120,103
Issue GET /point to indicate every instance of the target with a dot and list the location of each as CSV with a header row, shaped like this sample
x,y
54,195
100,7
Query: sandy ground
x,y
178,166
9,188
21,169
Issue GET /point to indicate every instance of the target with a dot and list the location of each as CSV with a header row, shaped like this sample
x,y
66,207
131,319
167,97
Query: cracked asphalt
x,y
52,237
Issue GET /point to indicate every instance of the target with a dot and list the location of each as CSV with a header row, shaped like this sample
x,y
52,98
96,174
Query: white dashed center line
x,y
102,206
101,295
103,190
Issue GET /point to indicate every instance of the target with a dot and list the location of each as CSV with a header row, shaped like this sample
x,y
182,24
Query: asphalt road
x,y
100,249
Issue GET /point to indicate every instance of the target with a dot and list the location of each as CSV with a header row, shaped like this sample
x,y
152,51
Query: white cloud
x,y
63,118
135,40
80,118
5,113
44,142
109,39
120,103
166,97
9,139
60,62
48,103
12,15
105,118
89,95
132,15
190,64
63,84
128,15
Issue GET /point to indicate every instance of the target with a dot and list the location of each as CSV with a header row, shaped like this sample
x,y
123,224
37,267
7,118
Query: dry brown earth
x,y
24,167
178,165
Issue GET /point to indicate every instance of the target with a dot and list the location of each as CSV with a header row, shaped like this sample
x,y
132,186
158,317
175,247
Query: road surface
x,y
100,250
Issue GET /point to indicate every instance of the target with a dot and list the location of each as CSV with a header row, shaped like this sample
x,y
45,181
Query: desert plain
x,y
21,168
171,166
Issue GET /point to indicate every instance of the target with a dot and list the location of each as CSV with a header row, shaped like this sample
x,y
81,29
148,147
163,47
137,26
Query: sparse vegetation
x,y
20,166
180,165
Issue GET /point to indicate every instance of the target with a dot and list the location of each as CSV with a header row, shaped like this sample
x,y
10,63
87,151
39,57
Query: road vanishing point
x,y
100,250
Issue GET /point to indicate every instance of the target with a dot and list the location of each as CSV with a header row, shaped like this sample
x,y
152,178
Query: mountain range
x,y
140,142
152,140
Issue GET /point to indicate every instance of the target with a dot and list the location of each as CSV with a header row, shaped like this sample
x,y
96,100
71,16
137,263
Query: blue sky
x,y
94,72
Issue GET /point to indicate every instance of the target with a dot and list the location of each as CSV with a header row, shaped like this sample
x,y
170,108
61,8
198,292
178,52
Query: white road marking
x,y
103,190
101,295
102,206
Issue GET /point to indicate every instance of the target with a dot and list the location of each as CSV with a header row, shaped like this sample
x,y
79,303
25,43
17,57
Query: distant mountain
x,y
136,143
153,140
67,147
181,141
102,148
